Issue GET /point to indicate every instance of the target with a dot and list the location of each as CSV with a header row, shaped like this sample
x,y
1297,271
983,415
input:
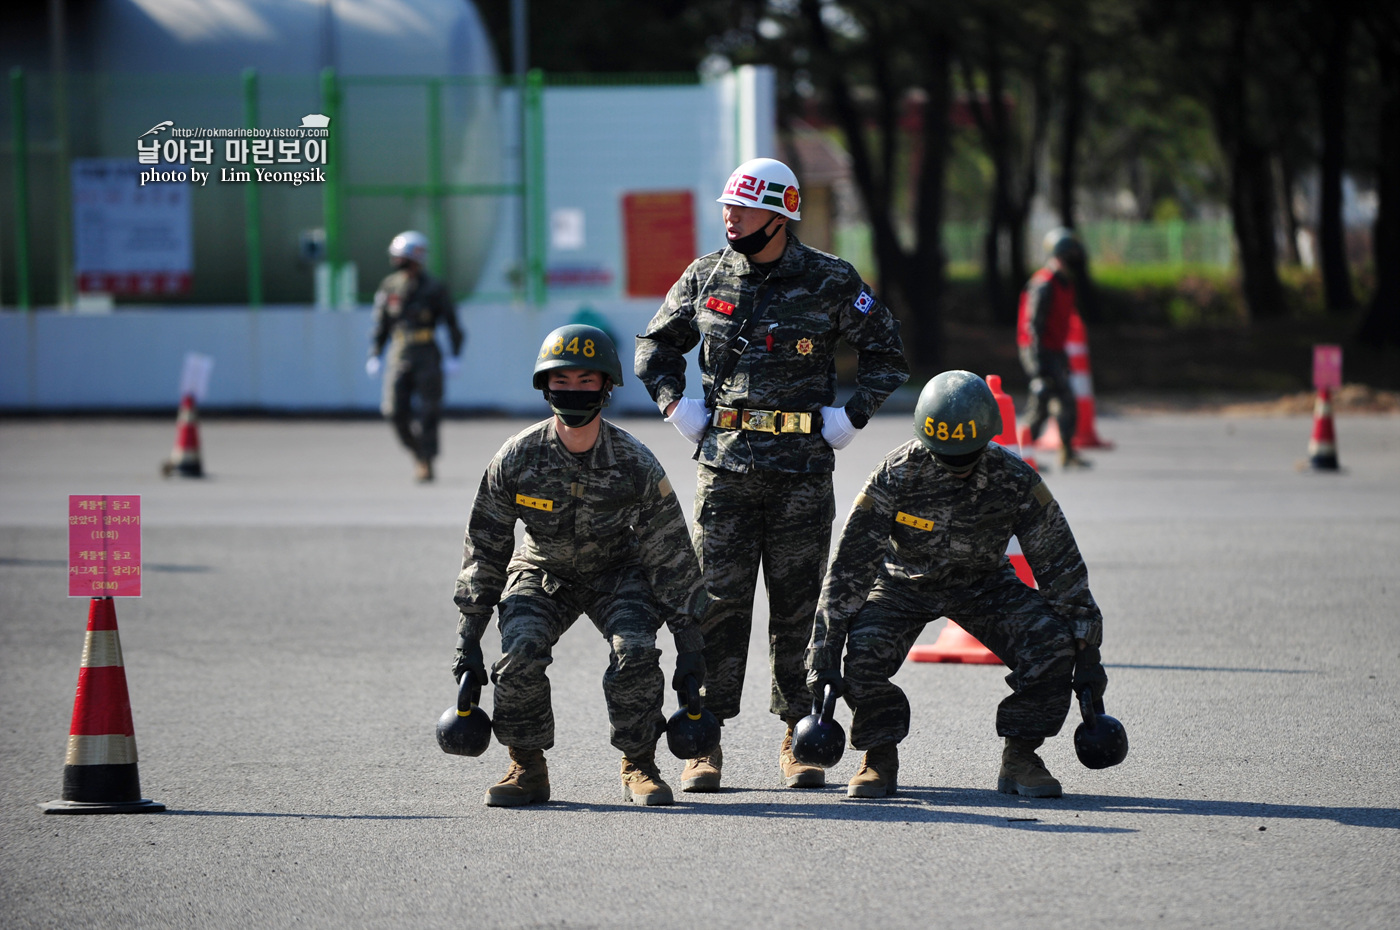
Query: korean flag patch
x,y
865,301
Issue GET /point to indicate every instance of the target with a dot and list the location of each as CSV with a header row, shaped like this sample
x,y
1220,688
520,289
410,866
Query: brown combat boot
x,y
878,776
798,774
527,782
641,781
1023,772
423,470
702,773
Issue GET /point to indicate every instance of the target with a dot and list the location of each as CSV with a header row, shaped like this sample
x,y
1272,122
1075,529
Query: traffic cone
x,y
1081,382
99,773
184,458
1322,448
1010,437
955,644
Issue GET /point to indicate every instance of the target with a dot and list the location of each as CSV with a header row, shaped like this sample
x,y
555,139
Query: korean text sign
x,y
104,545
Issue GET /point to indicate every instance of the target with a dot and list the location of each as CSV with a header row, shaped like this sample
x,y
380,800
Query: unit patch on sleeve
x,y
865,301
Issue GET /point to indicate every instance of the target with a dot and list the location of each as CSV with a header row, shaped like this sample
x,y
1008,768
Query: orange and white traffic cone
x,y
1010,437
184,458
99,772
1081,382
1322,447
955,644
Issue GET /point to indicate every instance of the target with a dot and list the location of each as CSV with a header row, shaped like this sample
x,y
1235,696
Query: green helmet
x,y
956,417
577,345
1063,244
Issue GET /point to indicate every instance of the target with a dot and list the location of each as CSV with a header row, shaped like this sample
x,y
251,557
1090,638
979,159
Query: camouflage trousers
x,y
782,520
534,613
1011,619
1049,374
414,375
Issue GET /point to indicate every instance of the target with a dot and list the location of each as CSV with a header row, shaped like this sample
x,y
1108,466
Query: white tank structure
x,y
184,61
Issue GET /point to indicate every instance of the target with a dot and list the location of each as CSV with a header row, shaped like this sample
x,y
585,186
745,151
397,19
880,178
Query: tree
x,y
1381,324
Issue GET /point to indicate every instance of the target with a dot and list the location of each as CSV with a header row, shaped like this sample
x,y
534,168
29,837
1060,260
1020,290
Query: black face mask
x,y
755,241
577,408
959,466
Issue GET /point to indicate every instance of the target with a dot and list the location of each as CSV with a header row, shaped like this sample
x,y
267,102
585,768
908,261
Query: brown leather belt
x,y
762,421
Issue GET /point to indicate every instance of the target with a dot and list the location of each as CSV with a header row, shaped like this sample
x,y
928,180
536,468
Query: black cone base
x,y
143,806
102,789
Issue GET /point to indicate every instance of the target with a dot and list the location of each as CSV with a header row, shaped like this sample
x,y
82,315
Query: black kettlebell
x,y
818,739
692,731
1100,741
465,730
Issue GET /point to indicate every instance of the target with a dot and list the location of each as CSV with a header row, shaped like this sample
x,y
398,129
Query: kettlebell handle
x,y
690,697
828,704
467,694
1086,708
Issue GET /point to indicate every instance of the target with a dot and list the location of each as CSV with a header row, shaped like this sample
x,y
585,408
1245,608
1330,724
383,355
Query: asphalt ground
x,y
289,659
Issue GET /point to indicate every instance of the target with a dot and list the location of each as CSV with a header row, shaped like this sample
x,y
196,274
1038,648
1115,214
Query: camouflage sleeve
x,y
660,361
447,312
1054,559
859,552
380,334
870,328
669,560
486,551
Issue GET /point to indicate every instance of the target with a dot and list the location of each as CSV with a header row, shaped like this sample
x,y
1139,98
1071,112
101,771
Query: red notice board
x,y
104,545
660,230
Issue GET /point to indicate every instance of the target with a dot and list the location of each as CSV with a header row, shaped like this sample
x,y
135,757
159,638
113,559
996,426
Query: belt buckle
x,y
796,422
726,417
763,421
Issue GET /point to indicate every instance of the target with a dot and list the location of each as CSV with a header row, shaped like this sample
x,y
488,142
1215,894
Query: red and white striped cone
x,y
1322,447
99,772
955,644
1010,437
184,458
1081,382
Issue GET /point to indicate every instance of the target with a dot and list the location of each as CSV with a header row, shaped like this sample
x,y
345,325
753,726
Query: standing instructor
x,y
768,313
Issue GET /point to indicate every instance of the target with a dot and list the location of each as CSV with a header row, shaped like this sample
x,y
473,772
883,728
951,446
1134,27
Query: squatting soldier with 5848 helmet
x,y
604,536
408,308
927,538
768,312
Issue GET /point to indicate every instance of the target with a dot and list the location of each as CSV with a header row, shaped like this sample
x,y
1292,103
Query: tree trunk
x,y
1286,186
1332,102
1070,130
1382,322
927,271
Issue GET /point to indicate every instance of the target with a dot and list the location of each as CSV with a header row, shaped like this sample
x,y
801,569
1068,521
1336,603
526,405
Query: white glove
x,y
690,416
372,366
451,365
836,427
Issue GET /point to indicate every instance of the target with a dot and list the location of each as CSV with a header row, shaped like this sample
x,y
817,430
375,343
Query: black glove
x,y
1089,673
819,678
468,659
688,664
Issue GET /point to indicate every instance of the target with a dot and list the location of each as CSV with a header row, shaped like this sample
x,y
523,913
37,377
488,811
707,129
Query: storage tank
x,y
135,63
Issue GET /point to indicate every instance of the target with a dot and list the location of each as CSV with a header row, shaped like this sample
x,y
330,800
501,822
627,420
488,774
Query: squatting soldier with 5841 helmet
x,y
769,313
604,536
927,538
408,308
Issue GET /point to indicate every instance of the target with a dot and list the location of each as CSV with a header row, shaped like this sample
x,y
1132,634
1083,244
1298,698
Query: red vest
x,y
1054,327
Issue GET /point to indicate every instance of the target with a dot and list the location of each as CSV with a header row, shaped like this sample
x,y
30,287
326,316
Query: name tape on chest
x,y
534,502
719,306
918,523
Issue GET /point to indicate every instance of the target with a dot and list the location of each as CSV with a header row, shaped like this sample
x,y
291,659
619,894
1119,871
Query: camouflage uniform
x,y
604,536
761,495
409,309
919,544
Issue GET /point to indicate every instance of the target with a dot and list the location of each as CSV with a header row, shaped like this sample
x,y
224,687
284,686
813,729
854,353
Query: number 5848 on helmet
x,y
955,417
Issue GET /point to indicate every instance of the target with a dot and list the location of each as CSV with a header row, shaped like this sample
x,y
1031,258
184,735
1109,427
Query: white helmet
x,y
765,183
410,245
